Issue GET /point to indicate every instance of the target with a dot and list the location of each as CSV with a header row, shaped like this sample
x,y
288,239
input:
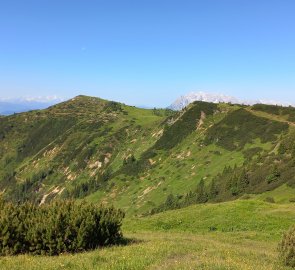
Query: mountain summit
x,y
185,100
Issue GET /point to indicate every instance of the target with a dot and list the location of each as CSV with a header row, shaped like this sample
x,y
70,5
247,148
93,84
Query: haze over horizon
x,y
22,104
149,52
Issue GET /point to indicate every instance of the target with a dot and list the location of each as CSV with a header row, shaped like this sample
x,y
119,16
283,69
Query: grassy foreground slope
x,y
241,234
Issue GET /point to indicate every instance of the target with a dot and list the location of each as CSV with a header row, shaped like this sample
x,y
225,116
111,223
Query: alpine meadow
x,y
208,187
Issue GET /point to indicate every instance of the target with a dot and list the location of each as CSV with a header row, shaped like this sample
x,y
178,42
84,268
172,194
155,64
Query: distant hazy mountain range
x,y
11,106
185,100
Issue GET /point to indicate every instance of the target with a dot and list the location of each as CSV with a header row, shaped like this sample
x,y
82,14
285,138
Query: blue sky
x,y
147,52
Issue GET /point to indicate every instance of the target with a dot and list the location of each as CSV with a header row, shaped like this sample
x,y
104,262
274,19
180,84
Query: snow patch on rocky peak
x,y
185,100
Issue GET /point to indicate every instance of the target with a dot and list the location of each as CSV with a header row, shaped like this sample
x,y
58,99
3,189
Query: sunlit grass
x,y
246,237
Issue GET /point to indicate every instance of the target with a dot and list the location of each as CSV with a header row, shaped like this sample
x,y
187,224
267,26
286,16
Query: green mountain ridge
x,y
111,153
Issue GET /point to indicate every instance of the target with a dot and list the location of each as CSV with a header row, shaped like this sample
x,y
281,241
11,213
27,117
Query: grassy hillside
x,y
242,234
85,139
134,158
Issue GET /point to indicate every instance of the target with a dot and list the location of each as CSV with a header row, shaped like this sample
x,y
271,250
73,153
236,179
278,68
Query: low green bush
x,y
52,229
246,197
269,200
287,248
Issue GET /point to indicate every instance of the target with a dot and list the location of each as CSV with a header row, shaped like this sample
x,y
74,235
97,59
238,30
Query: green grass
x,y
246,238
266,220
282,194
163,251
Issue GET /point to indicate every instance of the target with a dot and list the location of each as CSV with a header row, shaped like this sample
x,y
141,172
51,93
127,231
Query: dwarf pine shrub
x,y
58,227
287,248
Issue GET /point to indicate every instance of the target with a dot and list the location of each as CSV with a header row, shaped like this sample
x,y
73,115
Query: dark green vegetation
x,y
287,247
187,122
58,227
287,113
242,127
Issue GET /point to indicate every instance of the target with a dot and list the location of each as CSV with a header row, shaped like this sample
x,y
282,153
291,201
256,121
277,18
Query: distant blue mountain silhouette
x,y
11,107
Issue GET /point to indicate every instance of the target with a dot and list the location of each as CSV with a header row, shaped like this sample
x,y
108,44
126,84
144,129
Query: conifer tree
x,y
213,190
243,181
201,195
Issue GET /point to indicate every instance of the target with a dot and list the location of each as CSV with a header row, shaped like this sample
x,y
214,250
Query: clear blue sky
x,y
147,52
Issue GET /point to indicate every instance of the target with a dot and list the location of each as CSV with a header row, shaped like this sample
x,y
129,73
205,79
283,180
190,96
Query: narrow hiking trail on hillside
x,y
270,116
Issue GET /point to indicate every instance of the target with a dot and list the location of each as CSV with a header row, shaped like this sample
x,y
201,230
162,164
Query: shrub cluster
x,y
81,190
241,127
44,133
62,226
287,248
277,110
186,124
